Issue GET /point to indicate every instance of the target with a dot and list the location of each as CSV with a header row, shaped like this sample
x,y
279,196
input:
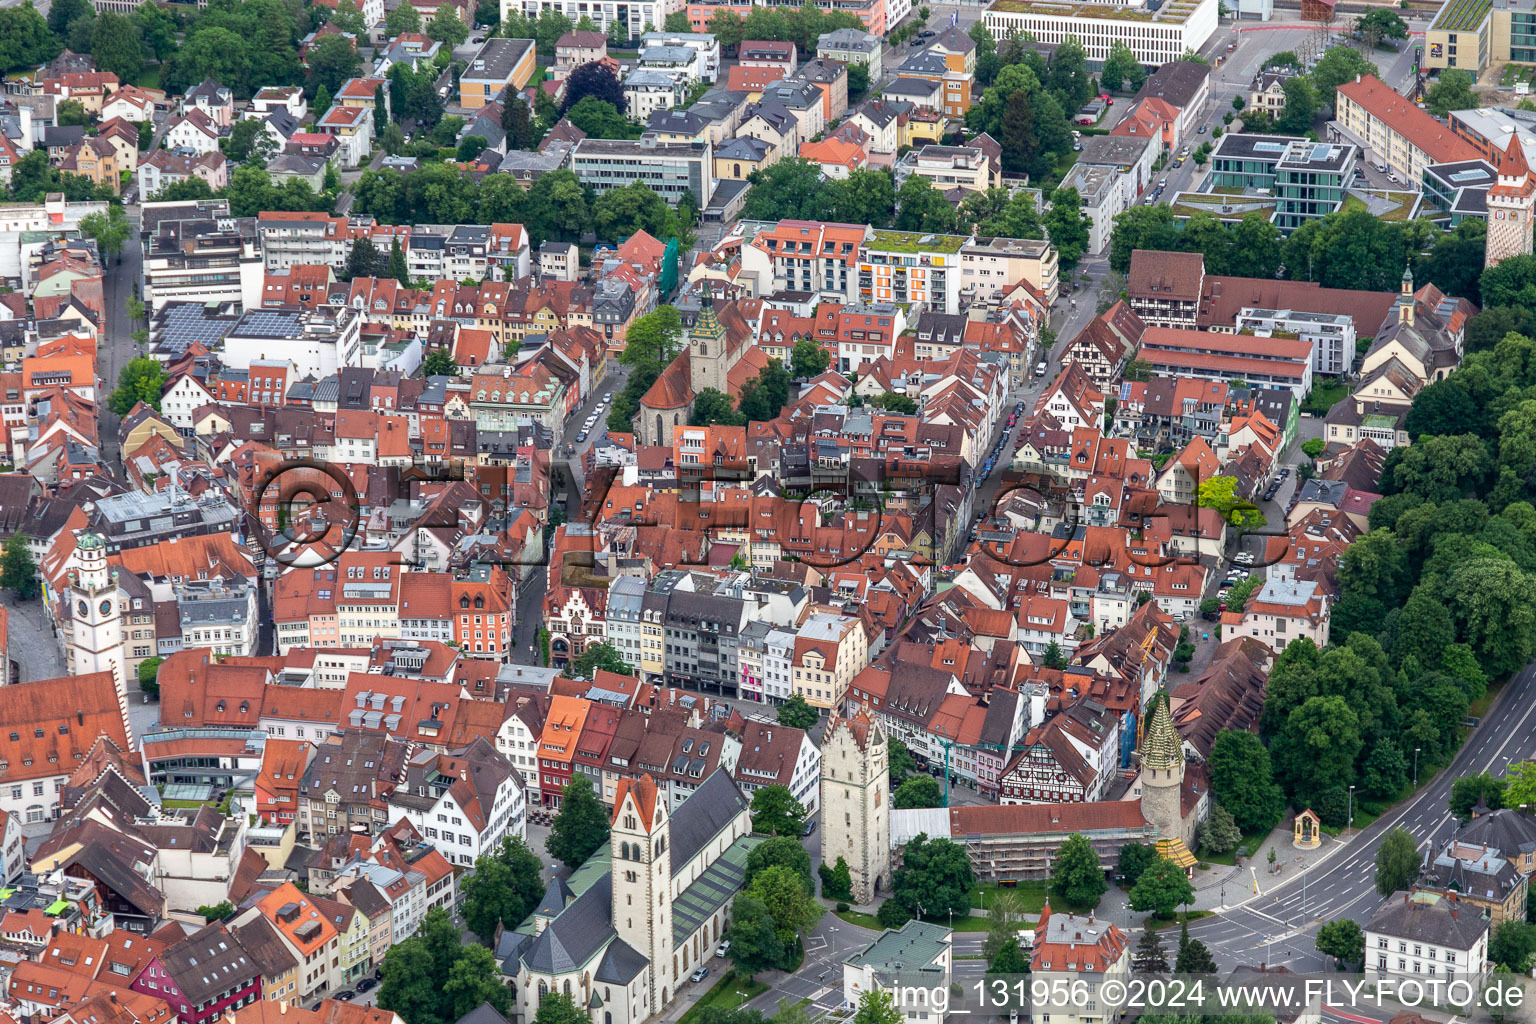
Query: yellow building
x,y
499,64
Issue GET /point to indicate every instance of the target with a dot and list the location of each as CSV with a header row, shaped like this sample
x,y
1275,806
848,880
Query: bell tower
x,y
856,802
96,625
708,364
642,883
1511,205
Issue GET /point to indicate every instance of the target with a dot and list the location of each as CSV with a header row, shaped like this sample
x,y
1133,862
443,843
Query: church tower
x,y
856,802
1511,205
1162,781
96,624
642,882
708,364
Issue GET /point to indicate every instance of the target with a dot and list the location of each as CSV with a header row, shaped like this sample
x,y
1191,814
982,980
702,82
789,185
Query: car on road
x,y
1204,128
581,437
346,996
926,33
699,975
810,827
1040,368
365,985
722,949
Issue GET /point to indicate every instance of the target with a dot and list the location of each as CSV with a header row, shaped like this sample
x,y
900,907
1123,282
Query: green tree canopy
x,y
580,827
1397,862
775,812
1161,890
1077,879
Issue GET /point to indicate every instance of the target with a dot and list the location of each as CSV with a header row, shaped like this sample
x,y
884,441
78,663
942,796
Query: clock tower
x,y
96,618
1511,206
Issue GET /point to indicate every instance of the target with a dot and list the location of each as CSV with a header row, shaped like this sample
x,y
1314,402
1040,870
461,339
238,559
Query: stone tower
x,y
1511,204
642,882
708,361
95,622
856,802
1162,774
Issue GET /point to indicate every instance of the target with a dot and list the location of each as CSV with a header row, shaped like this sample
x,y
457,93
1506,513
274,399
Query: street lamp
x,y
1349,821
1415,767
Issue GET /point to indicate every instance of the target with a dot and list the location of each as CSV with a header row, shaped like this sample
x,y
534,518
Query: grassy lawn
x,y
1031,895
149,78
1194,915
862,920
973,923
728,993
1250,842
1325,395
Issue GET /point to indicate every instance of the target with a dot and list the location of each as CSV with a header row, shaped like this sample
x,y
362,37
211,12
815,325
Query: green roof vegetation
x,y
1384,204
1226,207
915,242
1461,15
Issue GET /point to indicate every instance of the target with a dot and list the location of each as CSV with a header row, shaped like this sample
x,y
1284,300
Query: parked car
x,y
810,826
722,949
699,975
1204,128
365,985
346,996
581,437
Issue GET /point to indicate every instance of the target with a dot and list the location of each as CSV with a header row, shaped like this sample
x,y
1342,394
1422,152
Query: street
x,y
1284,916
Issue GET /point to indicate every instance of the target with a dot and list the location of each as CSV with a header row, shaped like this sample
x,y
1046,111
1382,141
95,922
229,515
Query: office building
x,y
668,169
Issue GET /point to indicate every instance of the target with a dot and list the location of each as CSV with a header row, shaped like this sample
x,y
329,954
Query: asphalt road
x,y
116,348
1285,916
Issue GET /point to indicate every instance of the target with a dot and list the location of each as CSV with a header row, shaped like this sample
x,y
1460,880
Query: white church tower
x,y
1511,207
96,618
642,882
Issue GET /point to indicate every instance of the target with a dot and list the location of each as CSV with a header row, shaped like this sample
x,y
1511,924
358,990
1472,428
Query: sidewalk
x,y
1225,886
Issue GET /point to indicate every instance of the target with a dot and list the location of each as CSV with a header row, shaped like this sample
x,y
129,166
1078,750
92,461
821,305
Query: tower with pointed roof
x,y
1162,783
708,362
856,802
1511,207
642,912
95,615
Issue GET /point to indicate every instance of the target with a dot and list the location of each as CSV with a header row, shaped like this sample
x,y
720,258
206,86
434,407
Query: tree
x,y
1142,227
61,14
1397,862
1242,780
446,27
141,380
158,29
677,21
594,80
1219,834
603,656
809,359
25,41
118,45
921,207
439,363
788,899
1343,940
431,978
364,259
877,1007
1161,889
1008,959
503,890
1134,859
149,675
18,572
893,914
558,1008
1468,790
1067,225
1053,658
1255,248
935,874
794,712
1513,946
349,19
517,123
580,827
1150,956
1452,92
1193,956
71,113
776,812
396,267
918,791
1121,68
900,760
332,61
1077,879
1381,23
217,912
474,980
753,935
1301,104
711,406
1339,65
110,230
1220,493
785,851
836,881
401,20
